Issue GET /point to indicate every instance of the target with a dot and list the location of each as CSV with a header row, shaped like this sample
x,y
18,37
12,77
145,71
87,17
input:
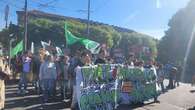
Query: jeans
x,y
36,85
162,87
170,86
47,86
74,98
23,81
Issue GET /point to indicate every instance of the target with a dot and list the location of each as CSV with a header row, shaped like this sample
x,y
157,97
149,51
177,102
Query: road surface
x,y
181,98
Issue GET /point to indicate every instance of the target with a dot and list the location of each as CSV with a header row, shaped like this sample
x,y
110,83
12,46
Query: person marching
x,y
66,78
85,61
3,76
47,76
161,76
101,58
25,71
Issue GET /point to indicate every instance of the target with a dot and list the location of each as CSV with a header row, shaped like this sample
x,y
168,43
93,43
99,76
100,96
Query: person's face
x,y
151,62
29,54
50,59
103,54
86,59
54,58
77,54
57,58
25,55
66,59
131,58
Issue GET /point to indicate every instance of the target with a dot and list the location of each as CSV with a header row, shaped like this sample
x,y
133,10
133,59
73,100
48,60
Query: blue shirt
x,y
26,64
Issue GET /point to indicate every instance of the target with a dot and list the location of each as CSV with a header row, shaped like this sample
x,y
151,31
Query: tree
x,y
41,29
173,45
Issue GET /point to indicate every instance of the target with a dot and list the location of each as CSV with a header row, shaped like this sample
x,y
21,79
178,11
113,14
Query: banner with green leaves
x,y
106,86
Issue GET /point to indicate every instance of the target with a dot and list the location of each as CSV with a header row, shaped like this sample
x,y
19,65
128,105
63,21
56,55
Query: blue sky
x,y
146,16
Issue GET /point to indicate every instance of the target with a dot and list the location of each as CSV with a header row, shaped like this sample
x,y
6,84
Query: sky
x,y
150,17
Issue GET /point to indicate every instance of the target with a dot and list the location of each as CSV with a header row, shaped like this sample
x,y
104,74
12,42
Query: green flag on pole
x,y
89,44
18,48
70,38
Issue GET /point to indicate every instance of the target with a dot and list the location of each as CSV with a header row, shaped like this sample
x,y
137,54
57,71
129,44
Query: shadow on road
x,y
134,106
55,106
22,102
30,101
192,108
192,91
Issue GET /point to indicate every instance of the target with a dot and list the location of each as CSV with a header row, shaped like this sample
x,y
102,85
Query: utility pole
x,y
88,11
25,26
6,15
88,17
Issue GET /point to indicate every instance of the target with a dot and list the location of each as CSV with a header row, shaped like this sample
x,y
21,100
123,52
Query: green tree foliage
x,y
4,37
44,30
136,39
173,45
40,29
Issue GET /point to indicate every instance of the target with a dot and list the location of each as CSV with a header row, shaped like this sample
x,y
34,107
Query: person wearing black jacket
x,y
101,58
85,61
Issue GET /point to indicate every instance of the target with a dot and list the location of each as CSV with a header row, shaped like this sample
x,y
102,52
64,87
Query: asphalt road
x,y
181,98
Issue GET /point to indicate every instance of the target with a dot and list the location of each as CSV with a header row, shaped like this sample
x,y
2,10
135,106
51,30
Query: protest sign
x,y
99,89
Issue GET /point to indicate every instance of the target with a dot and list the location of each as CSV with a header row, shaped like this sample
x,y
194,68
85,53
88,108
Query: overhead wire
x,y
49,5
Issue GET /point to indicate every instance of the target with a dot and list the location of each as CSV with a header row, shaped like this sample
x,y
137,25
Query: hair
x,y
26,52
62,57
160,65
47,57
84,54
102,50
130,56
66,57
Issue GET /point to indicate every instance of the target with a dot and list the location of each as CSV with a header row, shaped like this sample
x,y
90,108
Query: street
x,y
181,98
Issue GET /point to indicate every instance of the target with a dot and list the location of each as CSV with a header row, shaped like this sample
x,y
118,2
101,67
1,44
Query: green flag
x,y
17,49
91,45
70,38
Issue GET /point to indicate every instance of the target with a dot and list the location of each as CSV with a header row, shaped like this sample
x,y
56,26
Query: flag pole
x,y
65,26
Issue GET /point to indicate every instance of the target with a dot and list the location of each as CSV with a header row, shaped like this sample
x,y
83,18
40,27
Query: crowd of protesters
x,y
49,72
